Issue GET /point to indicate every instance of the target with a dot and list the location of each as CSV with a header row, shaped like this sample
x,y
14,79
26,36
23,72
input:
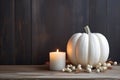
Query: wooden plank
x,y
106,20
114,28
80,14
15,32
98,16
42,72
7,32
39,34
28,41
23,68
23,31
53,22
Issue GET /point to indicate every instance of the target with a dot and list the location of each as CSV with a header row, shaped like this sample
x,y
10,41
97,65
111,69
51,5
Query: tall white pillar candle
x,y
57,60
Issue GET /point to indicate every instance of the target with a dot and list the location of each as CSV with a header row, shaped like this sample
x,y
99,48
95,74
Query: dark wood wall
x,y
105,18
30,29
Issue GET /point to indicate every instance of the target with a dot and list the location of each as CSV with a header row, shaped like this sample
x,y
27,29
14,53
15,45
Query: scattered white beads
x,y
100,67
89,66
104,68
69,70
79,67
73,68
115,63
68,66
104,64
99,64
108,65
89,70
64,69
97,70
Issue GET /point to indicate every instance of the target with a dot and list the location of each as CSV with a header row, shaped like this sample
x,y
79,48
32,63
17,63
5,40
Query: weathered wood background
x,y
30,29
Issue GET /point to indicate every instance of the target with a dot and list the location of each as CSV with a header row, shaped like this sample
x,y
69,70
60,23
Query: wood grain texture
x,y
113,9
41,72
7,32
15,32
104,18
30,29
23,31
53,22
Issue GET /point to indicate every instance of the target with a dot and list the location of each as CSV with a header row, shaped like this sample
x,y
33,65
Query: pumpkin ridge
x,y
87,50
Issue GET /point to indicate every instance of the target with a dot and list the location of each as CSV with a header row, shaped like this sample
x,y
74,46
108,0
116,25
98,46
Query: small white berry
x,y
68,66
97,70
99,64
115,63
108,65
88,66
104,68
79,65
91,66
69,70
104,64
73,67
64,69
101,69
79,68
89,70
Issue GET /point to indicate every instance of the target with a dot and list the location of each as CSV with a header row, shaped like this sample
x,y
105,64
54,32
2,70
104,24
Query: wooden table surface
x,y
43,72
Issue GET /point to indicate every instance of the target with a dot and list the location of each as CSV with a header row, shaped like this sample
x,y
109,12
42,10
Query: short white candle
x,y
57,60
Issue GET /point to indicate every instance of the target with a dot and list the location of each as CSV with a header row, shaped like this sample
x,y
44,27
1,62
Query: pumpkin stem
x,y
87,29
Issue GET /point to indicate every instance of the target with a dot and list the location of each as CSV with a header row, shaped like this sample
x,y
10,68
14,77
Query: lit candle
x,y
57,60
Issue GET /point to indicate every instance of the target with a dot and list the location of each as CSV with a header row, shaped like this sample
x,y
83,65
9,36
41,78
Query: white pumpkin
x,y
87,48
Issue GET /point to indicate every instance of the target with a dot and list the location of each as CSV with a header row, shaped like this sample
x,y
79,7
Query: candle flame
x,y
57,50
